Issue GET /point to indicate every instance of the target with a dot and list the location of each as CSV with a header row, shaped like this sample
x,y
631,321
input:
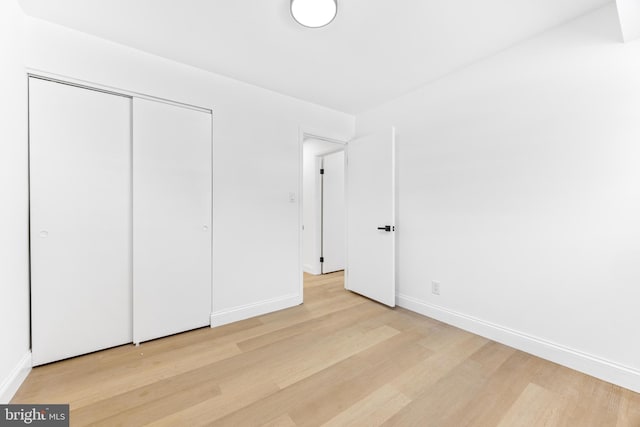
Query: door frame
x,y
304,133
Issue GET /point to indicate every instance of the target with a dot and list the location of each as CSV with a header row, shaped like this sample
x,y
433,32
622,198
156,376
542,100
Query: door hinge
x,y
321,171
321,259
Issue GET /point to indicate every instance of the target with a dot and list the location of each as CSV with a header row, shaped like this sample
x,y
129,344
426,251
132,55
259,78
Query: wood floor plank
x,y
332,352
446,393
431,370
330,390
379,365
536,406
282,421
337,360
500,391
151,406
629,411
207,411
96,385
331,321
373,410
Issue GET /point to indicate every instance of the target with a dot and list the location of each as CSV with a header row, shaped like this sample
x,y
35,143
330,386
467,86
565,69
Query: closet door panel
x,y
80,204
172,219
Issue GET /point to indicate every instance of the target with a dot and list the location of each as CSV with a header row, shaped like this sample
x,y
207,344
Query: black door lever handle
x,y
386,228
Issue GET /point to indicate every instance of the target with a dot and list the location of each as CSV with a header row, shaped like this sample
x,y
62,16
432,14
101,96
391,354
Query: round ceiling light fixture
x,y
314,13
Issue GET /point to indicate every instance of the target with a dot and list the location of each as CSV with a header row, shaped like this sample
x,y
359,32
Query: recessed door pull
x,y
387,228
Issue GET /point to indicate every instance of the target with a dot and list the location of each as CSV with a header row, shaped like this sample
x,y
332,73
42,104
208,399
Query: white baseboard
x,y
252,310
603,369
310,269
12,383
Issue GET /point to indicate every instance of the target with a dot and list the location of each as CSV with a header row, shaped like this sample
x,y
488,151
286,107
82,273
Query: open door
x,y
370,188
333,220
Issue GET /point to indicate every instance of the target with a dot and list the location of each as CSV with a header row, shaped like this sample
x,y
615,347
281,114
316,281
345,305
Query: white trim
x,y
59,78
301,134
211,222
589,364
307,135
318,195
12,383
255,309
346,216
310,269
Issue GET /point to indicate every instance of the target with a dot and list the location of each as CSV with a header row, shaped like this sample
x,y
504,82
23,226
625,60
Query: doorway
x,y
323,205
366,214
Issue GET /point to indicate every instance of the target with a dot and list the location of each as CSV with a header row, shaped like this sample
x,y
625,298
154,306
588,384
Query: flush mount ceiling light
x,y
314,13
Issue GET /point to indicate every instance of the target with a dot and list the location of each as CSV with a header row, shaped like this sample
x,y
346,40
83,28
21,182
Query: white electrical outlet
x,y
435,287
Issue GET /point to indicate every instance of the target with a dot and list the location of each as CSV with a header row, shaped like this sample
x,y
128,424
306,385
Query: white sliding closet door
x,y
80,180
172,219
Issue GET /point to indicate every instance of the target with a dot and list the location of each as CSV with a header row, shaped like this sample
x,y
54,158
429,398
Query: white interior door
x,y
333,213
171,219
80,192
371,217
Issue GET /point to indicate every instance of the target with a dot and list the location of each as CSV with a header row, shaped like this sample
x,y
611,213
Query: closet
x,y
120,219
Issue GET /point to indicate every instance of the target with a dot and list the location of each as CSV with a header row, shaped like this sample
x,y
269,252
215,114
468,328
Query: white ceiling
x,y
374,51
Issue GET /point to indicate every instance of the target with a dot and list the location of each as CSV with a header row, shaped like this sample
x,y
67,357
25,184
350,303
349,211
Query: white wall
x,y
14,257
256,159
519,190
313,150
629,14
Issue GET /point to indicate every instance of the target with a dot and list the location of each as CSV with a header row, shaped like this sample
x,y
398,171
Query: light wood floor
x,y
339,359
